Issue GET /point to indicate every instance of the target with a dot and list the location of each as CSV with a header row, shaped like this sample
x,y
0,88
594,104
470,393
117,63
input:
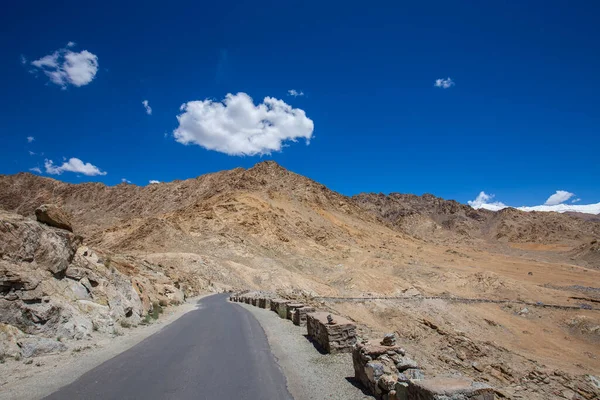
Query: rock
x,y
9,337
53,215
387,382
389,340
413,373
449,388
524,311
23,241
406,363
374,371
36,346
401,389
477,367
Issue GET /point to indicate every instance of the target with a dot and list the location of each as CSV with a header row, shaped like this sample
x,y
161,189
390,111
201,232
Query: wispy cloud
x,y
30,139
554,203
73,165
36,169
295,93
23,59
237,127
31,153
124,180
147,107
577,200
444,83
65,67
152,181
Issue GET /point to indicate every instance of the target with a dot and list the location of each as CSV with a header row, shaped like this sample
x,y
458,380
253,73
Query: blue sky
x,y
520,121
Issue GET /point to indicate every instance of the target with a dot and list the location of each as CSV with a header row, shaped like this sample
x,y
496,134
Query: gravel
x,y
310,375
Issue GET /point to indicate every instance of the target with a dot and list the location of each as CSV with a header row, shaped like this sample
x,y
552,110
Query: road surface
x,y
218,351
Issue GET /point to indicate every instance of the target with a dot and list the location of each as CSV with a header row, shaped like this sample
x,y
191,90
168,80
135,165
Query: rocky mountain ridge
x,y
432,217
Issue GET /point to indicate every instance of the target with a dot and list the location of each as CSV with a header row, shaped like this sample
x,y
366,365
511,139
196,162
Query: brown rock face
x,y
53,215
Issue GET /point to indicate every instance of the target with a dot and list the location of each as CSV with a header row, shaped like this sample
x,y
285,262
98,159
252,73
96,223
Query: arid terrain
x,y
508,297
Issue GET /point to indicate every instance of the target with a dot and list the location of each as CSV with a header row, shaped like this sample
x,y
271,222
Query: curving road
x,y
218,351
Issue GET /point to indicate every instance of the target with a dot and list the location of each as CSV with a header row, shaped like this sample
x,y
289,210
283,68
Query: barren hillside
x,y
429,216
268,228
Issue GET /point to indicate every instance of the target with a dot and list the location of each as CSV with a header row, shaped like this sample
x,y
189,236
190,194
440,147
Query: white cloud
x,y
23,59
36,169
30,139
559,197
147,107
73,165
577,200
31,153
444,83
124,180
236,126
152,181
483,201
71,44
295,93
65,67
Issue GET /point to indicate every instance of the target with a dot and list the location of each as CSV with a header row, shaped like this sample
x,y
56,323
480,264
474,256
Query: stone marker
x,y
264,303
389,340
278,305
337,337
375,367
449,388
299,317
291,309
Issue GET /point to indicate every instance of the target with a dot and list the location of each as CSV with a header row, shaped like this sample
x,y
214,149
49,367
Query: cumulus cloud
x,y
147,107
36,169
66,67
236,126
73,165
152,181
444,83
559,197
30,139
295,93
483,200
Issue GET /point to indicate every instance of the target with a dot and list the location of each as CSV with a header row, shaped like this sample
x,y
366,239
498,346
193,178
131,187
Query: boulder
x,y
36,346
9,337
53,215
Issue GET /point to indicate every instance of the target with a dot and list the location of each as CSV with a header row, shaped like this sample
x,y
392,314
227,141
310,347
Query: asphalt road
x,y
218,351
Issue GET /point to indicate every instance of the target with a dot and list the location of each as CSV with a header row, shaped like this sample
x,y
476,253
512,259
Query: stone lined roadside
x,y
380,368
310,375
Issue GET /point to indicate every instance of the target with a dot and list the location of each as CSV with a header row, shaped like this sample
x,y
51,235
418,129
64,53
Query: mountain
x,y
268,228
430,218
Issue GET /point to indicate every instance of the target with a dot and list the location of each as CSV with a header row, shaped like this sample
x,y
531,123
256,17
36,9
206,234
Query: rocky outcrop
x,y
52,287
53,215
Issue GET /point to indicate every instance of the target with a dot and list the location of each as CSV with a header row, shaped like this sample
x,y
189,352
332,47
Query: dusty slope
x,y
268,228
